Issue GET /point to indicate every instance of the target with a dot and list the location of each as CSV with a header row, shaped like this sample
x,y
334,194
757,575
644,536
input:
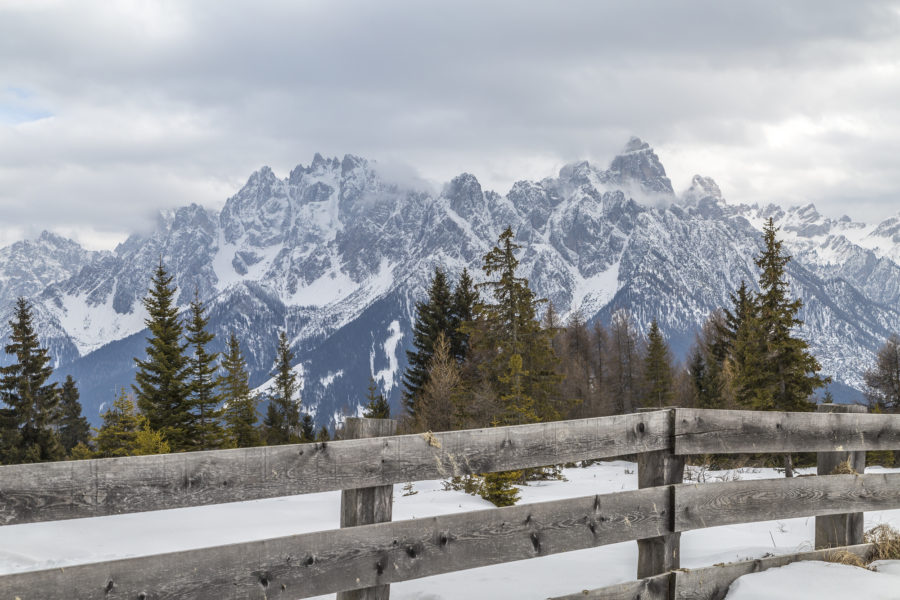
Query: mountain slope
x,y
337,253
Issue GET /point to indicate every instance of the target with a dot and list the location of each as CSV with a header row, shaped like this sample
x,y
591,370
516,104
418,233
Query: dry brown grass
x,y
845,558
885,542
844,468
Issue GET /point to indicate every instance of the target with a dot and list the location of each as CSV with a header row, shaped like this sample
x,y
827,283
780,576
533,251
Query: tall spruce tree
x,y
519,352
658,382
282,422
74,428
465,299
239,401
206,411
31,402
161,382
433,316
790,372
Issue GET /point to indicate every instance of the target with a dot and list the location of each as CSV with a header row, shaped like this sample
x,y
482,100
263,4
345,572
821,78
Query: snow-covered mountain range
x,y
339,251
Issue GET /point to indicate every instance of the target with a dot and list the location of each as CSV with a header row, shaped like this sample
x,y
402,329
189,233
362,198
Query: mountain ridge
x,y
337,255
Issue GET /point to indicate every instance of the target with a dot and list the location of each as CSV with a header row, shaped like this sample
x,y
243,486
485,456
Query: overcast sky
x,y
111,110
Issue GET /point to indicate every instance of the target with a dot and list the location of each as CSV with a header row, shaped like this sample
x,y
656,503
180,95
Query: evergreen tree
x,y
789,373
307,429
125,432
282,422
323,435
377,406
883,379
239,402
465,299
74,428
433,316
513,354
518,355
161,381
205,428
32,412
706,363
658,381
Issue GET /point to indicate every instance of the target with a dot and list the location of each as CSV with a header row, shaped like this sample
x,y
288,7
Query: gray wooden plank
x,y
711,583
661,554
843,529
648,588
699,431
324,562
67,490
714,504
364,506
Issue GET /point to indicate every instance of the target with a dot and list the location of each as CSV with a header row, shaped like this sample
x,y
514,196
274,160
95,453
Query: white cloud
x,y
111,111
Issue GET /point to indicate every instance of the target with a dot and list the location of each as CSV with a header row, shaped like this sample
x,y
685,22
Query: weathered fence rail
x,y
377,554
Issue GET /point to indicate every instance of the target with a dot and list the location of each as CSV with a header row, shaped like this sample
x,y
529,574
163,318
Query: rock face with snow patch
x,y
337,254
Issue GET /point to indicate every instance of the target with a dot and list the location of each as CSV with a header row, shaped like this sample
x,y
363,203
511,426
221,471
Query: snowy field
x,y
60,543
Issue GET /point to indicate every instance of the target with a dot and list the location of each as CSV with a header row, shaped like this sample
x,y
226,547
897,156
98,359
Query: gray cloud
x,y
111,111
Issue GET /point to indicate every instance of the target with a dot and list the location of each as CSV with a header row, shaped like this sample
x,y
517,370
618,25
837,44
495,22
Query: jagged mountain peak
x,y
635,144
639,165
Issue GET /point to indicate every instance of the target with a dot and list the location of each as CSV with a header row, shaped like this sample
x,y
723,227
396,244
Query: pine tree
x,y
205,427
791,373
433,316
658,381
282,422
883,379
323,435
31,402
161,382
307,429
118,433
377,406
240,403
465,299
74,428
509,328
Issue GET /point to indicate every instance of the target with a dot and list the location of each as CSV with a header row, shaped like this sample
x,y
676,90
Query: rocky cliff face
x,y
337,254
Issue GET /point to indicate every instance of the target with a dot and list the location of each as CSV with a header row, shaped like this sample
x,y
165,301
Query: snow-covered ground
x,y
43,545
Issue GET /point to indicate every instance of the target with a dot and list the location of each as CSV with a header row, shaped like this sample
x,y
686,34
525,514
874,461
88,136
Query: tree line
x,y
184,396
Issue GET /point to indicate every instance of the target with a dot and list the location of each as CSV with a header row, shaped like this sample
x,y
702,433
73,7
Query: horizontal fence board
x,y
711,583
330,561
74,489
648,588
699,431
715,504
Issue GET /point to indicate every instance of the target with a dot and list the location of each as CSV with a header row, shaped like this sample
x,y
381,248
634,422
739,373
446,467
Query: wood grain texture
x,y
711,583
660,554
68,490
714,504
699,431
364,506
845,529
323,562
648,588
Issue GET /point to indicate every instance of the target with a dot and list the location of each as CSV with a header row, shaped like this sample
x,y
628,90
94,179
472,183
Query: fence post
x,y
844,529
364,506
662,467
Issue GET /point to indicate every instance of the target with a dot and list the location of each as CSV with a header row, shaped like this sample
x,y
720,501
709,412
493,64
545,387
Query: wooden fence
x,y
369,552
